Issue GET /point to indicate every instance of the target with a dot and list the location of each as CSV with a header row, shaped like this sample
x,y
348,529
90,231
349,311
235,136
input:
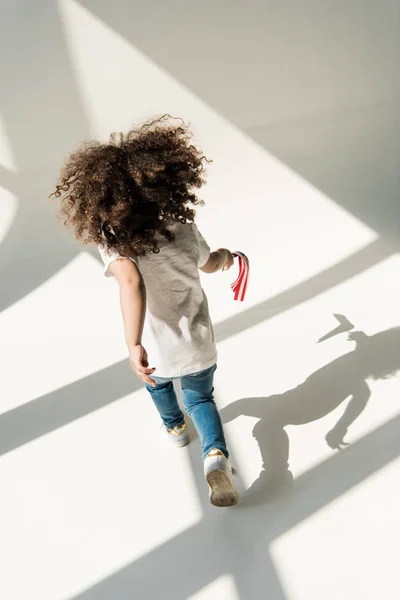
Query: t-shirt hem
x,y
197,368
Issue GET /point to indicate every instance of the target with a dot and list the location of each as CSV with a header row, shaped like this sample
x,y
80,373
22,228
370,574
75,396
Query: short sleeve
x,y
204,248
108,257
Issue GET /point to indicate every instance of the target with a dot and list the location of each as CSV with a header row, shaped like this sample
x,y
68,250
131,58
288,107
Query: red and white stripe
x,y
239,287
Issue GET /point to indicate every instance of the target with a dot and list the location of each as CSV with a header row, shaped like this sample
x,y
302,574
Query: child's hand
x,y
229,259
334,438
140,364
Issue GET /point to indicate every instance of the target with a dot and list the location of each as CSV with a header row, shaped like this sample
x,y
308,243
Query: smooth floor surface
x,y
299,112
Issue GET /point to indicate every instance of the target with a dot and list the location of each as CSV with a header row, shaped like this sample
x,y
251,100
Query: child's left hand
x,y
140,364
229,259
334,438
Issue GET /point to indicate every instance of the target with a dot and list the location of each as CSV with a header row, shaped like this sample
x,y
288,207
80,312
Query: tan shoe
x,y
179,435
219,474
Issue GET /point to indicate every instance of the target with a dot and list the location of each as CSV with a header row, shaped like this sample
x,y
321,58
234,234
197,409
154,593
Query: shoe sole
x,y
223,493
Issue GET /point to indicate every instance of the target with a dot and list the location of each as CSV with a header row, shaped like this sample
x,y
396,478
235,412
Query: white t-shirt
x,y
178,334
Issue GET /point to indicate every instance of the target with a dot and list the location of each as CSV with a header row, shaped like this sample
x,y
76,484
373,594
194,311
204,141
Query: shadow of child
x,y
376,357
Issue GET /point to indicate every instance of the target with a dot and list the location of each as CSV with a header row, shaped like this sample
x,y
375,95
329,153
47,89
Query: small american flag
x,y
239,286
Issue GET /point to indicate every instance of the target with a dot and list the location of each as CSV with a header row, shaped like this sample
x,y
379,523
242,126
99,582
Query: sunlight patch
x,y
222,588
72,327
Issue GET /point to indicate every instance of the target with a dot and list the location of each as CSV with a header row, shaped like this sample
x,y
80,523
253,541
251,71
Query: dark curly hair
x,y
122,194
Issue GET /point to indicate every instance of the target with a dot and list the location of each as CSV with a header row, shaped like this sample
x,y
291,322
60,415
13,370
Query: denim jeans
x,y
199,403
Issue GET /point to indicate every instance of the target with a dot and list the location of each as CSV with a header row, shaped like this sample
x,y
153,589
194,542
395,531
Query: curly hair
x,y
124,193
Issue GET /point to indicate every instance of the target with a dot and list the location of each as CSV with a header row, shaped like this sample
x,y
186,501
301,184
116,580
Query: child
x,y
132,197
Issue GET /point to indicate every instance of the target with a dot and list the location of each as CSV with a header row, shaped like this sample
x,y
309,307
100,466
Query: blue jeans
x,y
199,403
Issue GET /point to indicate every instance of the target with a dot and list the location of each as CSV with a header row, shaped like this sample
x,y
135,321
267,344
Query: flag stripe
x,y
239,286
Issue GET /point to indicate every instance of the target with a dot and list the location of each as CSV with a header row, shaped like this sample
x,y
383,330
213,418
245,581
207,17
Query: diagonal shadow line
x,y
8,180
277,126
185,552
185,564
340,473
35,55
60,407
356,263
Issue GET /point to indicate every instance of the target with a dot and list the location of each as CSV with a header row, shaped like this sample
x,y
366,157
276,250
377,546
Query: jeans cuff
x,y
175,423
216,447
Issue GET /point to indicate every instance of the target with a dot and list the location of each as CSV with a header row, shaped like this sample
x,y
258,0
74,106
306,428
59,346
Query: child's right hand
x,y
140,365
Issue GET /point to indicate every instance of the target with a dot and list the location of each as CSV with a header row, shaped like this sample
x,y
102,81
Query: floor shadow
x,y
44,120
46,413
351,155
328,109
372,254
376,357
34,249
60,407
237,541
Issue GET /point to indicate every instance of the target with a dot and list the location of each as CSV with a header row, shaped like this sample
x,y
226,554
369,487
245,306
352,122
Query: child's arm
x,y
360,397
133,307
220,259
